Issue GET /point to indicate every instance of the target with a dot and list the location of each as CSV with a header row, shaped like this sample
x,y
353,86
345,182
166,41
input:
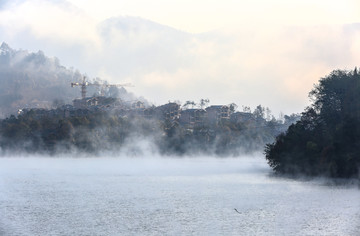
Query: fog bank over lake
x,y
168,196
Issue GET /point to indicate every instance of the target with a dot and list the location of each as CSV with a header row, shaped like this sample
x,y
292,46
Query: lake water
x,y
163,196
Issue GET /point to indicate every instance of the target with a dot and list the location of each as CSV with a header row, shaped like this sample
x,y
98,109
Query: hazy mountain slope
x,y
33,80
139,47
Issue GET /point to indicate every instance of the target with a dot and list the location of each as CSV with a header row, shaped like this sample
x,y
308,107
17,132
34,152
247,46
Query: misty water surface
x,y
164,196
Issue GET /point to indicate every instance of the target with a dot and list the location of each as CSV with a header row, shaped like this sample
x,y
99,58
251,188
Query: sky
x,y
248,52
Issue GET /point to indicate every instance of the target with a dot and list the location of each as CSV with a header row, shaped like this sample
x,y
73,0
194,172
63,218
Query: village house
x,y
192,117
169,111
218,113
238,117
97,101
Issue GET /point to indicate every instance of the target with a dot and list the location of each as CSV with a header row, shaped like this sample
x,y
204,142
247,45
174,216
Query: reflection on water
x,y
155,196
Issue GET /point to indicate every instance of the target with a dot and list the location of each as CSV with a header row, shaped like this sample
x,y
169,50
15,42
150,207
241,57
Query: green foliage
x,y
326,140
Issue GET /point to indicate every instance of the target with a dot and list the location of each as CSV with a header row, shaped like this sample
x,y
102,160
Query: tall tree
x,y
203,103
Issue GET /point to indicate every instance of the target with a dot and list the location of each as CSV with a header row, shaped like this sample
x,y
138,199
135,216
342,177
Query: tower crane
x,y
84,84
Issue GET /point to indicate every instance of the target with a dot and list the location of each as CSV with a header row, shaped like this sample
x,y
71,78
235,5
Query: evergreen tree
x,y
326,140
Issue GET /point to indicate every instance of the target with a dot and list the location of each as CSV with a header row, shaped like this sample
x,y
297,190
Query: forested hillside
x,y
33,80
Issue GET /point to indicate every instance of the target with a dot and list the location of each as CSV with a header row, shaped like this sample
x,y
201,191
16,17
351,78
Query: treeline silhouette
x,y
326,140
96,131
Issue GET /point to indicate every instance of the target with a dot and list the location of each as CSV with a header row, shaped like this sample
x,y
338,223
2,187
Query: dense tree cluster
x,y
326,140
51,134
223,139
95,131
